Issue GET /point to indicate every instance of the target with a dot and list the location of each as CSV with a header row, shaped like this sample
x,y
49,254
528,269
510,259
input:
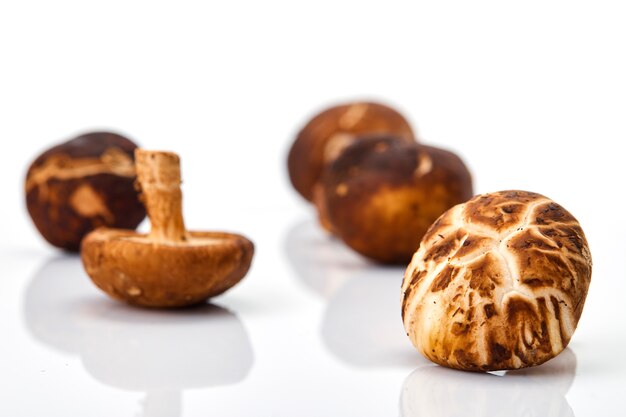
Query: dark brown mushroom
x,y
381,195
82,184
169,267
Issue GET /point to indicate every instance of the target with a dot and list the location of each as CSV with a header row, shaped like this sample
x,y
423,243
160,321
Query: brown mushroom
x,y
169,267
497,283
323,138
84,183
382,194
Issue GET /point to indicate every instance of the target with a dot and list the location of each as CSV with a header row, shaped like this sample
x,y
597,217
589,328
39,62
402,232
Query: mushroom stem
x,y
158,174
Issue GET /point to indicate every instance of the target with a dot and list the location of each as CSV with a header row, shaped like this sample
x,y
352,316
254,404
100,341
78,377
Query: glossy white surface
x,y
532,97
314,330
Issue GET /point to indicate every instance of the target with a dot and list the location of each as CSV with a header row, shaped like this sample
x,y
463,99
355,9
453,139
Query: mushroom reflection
x,y
362,324
157,352
322,263
436,391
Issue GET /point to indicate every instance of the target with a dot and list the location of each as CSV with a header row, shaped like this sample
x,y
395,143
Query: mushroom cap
x,y
82,184
381,195
497,283
323,138
134,268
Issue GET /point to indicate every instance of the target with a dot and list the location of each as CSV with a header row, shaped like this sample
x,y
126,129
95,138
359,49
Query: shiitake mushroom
x,y
380,195
84,183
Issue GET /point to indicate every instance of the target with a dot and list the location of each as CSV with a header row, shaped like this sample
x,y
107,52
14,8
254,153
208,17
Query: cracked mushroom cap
x,y
323,138
381,195
82,184
497,283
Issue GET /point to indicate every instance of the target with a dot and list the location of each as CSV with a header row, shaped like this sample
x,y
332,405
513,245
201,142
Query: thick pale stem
x,y
158,174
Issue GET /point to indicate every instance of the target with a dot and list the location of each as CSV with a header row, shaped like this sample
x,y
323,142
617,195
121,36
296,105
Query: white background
x,y
531,94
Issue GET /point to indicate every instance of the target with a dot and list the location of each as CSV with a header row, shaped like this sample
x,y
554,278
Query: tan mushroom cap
x,y
498,283
169,267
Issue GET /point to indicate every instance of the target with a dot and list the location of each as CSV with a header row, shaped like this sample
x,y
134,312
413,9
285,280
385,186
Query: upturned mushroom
x,y
82,184
323,138
498,283
381,195
170,266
